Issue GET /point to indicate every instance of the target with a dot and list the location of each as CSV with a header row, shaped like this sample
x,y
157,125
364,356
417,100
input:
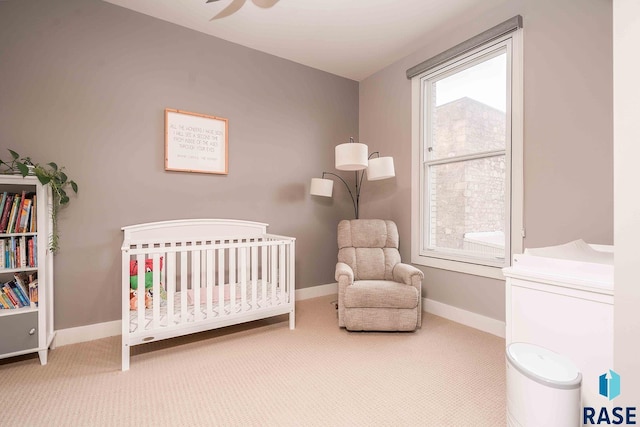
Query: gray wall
x,y
568,133
85,83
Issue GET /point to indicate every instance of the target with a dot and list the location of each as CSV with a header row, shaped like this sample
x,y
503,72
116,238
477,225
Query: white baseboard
x,y
87,333
468,318
110,329
317,291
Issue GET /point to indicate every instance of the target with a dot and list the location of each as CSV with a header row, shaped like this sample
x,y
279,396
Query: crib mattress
x,y
228,307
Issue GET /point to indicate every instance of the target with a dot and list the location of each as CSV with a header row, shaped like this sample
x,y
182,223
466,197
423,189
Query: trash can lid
x,y
544,365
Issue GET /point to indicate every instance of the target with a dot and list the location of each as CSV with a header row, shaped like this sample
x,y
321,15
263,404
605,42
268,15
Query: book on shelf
x,y
11,252
24,217
21,279
2,201
33,224
5,301
22,252
22,296
30,258
11,225
16,224
6,211
15,302
16,259
8,298
5,247
33,292
34,241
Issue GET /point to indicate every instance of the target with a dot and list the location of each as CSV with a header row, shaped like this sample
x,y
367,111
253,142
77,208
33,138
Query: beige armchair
x,y
376,291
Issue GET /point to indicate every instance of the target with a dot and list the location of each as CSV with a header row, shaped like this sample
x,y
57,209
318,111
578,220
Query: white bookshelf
x,y
29,329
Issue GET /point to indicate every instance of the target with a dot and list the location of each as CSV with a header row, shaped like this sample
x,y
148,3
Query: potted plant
x,y
48,174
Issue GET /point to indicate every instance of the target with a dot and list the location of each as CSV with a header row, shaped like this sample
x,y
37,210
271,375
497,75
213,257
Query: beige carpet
x,y
263,374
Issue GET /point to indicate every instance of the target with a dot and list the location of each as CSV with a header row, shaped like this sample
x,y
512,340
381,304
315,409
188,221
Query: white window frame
x,y
514,187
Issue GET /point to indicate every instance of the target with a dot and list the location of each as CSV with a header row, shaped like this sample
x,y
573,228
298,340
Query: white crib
x,y
203,274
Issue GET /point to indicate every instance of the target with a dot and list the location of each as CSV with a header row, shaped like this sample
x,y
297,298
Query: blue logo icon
x,y
610,385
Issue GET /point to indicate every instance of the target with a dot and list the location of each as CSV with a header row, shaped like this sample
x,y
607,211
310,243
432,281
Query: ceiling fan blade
x,y
265,4
229,10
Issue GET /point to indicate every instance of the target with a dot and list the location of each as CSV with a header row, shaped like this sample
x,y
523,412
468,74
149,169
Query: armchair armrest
x,y
412,276
344,276
343,269
405,273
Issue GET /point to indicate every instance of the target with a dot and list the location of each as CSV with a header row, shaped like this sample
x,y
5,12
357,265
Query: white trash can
x,y
543,388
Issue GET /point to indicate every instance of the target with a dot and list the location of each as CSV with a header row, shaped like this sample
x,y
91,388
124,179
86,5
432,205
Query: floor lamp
x,y
353,156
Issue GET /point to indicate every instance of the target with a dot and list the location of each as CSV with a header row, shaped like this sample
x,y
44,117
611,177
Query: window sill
x,y
459,266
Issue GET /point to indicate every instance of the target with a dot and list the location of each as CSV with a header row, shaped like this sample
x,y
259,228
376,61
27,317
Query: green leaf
x,y
24,170
64,200
74,186
53,166
42,177
63,177
14,154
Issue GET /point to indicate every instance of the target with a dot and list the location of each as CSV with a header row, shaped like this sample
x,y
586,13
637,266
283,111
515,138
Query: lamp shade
x,y
321,187
352,156
380,168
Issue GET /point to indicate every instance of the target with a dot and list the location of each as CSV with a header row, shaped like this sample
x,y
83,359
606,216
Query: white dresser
x,y
565,305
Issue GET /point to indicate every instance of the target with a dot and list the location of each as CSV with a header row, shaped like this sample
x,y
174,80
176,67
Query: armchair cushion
x,y
369,247
380,294
369,263
367,234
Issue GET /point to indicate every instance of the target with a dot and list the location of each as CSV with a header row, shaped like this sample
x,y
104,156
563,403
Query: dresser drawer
x,y
18,332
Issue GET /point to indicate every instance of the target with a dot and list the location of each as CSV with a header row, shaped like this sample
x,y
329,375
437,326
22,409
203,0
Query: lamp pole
x,y
355,200
358,181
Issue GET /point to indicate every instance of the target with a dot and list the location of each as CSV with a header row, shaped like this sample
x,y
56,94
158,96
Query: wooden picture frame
x,y
195,142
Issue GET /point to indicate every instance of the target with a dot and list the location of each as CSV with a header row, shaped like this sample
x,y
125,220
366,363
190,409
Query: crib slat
x,y
243,278
221,301
274,273
264,275
141,294
183,286
210,267
195,283
232,280
254,277
291,284
126,307
171,286
282,269
156,290
291,279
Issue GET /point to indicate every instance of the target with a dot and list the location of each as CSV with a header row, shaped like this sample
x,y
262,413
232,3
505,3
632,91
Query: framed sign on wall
x,y
195,142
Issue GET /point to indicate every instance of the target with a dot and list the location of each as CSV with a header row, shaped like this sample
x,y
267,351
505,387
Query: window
x,y
467,160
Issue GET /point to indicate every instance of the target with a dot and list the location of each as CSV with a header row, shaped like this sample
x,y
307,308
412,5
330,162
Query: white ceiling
x,y
350,38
